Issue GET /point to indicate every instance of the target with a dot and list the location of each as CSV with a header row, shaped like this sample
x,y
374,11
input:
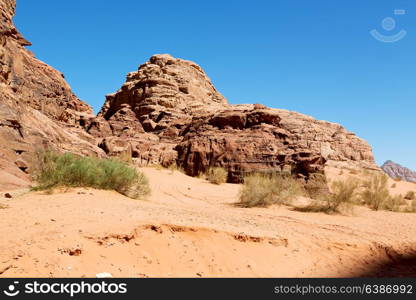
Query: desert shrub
x,y
174,167
354,172
410,195
397,179
375,191
393,186
54,169
393,203
316,187
342,196
263,190
343,193
413,206
126,157
217,175
367,172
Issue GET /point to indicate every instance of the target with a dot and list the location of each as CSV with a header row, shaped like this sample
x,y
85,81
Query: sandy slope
x,y
189,227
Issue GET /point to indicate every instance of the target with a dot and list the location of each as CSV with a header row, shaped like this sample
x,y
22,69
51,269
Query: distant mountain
x,y
395,170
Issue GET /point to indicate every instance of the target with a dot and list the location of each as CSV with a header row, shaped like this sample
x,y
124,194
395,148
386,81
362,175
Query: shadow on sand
x,y
404,266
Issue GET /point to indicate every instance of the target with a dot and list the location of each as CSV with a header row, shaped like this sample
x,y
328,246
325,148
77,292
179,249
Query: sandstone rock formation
x,y
169,112
37,107
397,171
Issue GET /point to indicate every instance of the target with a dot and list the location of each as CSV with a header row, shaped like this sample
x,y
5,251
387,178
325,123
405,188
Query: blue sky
x,y
315,57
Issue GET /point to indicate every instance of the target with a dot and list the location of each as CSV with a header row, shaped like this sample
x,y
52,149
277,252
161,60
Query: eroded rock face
x,y
153,107
248,139
397,171
169,112
37,107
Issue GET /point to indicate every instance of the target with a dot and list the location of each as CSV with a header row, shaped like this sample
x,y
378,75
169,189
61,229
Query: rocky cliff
x,y
37,107
395,171
169,112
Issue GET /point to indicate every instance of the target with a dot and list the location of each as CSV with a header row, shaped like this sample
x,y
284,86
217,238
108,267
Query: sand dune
x,y
191,228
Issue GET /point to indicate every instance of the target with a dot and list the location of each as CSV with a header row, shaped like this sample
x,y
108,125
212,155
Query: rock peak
x,y
162,88
395,170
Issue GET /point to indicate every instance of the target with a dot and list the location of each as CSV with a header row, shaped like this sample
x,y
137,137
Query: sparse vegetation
x,y
393,186
410,195
174,167
397,179
263,190
342,196
217,175
126,157
375,191
393,203
376,195
69,170
317,187
3,206
354,172
343,193
413,206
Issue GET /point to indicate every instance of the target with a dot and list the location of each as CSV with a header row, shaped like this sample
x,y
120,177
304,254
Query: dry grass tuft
x,y
317,186
341,198
411,195
217,175
375,191
263,190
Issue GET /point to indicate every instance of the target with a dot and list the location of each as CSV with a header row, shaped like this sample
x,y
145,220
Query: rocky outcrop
x,y
147,116
169,112
397,171
248,138
37,107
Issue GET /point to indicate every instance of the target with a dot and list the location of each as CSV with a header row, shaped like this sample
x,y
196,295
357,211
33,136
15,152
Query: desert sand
x,y
188,227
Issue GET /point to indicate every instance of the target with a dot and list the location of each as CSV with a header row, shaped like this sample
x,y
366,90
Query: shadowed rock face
x,y
397,171
169,112
37,107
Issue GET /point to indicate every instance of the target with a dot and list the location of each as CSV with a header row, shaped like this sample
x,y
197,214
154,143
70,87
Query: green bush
x,y
260,190
217,175
54,169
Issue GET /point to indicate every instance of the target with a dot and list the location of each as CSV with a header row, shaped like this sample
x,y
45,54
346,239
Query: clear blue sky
x,y
315,57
